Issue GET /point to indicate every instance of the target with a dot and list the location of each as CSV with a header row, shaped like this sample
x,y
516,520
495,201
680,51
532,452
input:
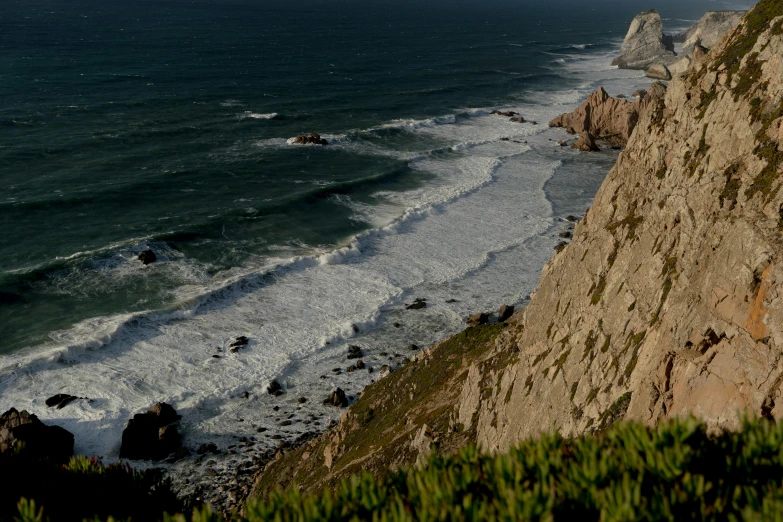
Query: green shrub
x,y
674,471
81,489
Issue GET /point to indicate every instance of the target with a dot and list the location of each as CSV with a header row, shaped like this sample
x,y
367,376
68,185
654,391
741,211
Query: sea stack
x,y
645,43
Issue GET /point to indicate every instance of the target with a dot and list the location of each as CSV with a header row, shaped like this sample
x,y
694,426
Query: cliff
x,y
708,31
665,304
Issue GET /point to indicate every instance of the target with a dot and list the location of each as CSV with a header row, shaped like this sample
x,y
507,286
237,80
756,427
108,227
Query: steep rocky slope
x,y
666,303
709,29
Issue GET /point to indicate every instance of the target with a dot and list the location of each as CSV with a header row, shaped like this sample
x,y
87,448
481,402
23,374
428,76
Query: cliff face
x,y
668,300
666,303
709,29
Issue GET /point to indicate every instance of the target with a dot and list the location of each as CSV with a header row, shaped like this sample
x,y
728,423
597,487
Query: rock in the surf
x,y
274,388
147,256
417,304
238,343
313,139
504,113
61,400
518,119
39,439
354,352
151,435
337,398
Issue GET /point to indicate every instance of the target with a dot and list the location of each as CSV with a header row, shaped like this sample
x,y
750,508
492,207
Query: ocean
x,y
168,126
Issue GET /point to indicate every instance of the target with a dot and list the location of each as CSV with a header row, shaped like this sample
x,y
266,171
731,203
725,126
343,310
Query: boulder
x,y
310,139
505,312
40,440
412,347
645,43
586,143
151,435
699,56
61,400
274,388
147,257
517,119
477,319
658,71
417,304
504,113
239,342
337,398
354,352
360,365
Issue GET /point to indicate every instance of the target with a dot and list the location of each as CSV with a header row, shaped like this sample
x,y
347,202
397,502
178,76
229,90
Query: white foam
x,y
257,116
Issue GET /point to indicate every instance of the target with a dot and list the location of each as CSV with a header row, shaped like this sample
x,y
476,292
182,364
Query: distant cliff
x,y
666,303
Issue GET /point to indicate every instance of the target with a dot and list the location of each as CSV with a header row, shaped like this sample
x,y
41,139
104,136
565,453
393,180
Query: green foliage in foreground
x,y
81,489
672,472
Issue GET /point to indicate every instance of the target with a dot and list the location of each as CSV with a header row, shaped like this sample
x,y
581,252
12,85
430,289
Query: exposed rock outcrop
x,y
151,435
709,29
39,440
602,116
586,143
310,139
658,71
645,43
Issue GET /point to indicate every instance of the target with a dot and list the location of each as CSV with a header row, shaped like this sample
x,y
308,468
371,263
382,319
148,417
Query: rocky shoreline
x,y
309,438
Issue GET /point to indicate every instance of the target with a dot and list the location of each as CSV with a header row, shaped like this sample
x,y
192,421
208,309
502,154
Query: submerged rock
x,y
417,304
354,352
504,113
147,256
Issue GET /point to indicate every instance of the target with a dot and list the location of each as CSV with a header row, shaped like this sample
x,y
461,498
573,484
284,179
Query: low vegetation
x,y
82,489
675,471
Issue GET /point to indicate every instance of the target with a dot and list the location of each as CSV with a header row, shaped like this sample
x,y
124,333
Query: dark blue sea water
x,y
136,124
